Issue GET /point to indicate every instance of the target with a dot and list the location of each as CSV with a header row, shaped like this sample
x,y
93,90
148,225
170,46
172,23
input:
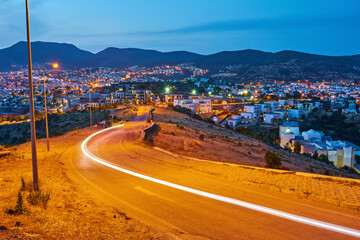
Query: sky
x,y
330,27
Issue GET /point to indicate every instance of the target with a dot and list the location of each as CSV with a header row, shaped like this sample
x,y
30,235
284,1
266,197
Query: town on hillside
x,y
313,118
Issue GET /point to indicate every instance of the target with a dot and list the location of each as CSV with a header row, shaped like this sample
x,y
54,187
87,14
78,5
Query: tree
x,y
324,158
19,207
272,160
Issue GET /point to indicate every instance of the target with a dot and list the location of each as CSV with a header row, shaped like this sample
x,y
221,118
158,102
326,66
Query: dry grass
x,y
69,214
225,145
181,136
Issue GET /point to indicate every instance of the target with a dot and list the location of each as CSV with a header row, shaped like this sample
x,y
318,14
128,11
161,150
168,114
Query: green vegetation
x,y
334,124
59,124
22,184
20,207
201,137
265,135
272,160
40,198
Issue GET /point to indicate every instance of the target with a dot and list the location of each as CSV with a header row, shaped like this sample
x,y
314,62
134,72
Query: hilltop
x,y
244,65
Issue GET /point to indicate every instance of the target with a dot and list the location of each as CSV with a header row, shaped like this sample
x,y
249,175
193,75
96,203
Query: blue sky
x,y
329,27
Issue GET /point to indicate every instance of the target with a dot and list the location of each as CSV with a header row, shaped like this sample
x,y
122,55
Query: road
x,y
183,214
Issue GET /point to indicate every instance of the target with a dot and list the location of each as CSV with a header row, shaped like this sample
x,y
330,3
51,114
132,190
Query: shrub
x,y
284,168
201,137
38,198
272,160
22,184
19,207
172,133
297,147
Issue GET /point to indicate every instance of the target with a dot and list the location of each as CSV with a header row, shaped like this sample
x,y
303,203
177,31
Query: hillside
x,y
253,65
127,57
42,52
244,65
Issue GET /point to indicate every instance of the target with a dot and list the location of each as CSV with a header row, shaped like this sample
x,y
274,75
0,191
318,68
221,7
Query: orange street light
x,y
46,117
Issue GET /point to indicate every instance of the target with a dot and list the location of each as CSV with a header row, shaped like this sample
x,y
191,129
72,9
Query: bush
x,y
19,207
201,137
22,184
272,160
297,147
284,168
38,198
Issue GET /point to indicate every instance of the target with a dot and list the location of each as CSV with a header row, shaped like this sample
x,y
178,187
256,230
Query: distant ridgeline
x,y
245,65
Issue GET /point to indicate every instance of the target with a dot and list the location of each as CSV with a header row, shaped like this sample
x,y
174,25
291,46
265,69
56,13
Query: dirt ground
x,y
70,214
180,133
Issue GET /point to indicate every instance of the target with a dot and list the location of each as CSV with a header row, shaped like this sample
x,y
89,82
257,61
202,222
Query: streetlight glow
x,y
55,65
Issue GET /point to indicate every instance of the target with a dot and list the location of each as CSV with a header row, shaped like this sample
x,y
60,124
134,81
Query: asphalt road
x,y
187,215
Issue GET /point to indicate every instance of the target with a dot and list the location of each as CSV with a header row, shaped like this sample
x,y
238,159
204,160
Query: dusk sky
x,y
330,27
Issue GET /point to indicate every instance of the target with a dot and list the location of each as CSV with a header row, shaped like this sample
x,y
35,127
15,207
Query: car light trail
x,y
289,216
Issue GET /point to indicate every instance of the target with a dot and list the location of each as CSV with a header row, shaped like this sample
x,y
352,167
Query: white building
x,y
202,105
234,120
269,117
271,106
197,105
312,135
288,131
256,109
248,115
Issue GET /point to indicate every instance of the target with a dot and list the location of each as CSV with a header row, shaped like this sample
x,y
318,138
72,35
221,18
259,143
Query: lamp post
x,y
90,109
32,112
112,109
46,117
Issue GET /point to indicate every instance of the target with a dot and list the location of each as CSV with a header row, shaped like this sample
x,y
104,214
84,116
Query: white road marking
x,y
289,216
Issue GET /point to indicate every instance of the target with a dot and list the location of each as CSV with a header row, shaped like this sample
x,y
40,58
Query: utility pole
x,y
112,109
32,112
90,110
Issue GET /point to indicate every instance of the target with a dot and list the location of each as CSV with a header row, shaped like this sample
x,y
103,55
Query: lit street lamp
x,y
32,112
46,117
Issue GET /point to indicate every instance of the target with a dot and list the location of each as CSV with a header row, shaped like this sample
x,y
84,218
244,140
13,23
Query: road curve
x,y
145,185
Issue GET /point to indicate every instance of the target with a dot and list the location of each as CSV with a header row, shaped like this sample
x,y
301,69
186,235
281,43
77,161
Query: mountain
x,y
127,57
243,65
42,52
258,66
257,58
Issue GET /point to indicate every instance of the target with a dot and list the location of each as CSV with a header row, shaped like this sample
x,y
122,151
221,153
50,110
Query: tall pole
x,y
32,112
90,109
112,109
46,117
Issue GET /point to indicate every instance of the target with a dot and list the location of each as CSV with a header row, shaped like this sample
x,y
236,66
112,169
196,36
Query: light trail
x,y
289,216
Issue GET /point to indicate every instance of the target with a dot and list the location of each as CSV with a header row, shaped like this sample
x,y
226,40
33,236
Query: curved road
x,y
186,215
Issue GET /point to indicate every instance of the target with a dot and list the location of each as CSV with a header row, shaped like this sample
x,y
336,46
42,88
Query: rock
x,y
9,211
2,227
17,224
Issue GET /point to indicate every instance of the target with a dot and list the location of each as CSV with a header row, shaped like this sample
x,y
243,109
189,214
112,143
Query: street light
x,y
32,112
55,65
90,90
